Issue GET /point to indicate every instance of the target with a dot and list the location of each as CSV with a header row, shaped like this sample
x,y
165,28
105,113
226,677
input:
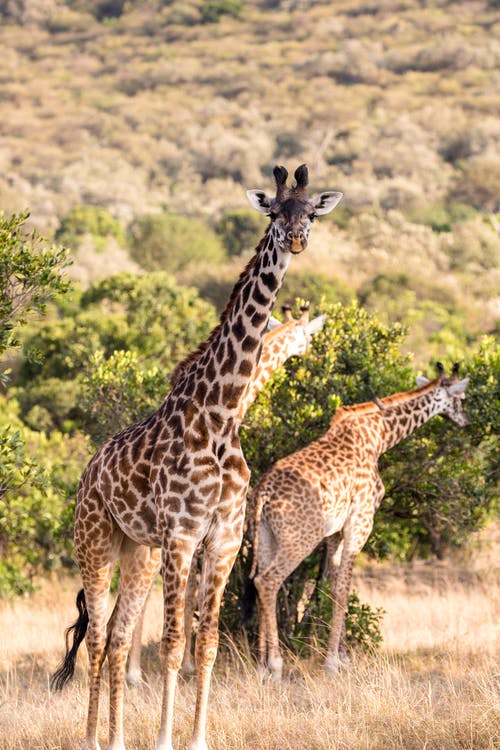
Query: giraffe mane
x,y
368,407
182,367
270,335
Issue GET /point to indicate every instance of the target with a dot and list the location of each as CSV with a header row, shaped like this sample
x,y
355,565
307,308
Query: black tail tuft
x,y
248,600
65,671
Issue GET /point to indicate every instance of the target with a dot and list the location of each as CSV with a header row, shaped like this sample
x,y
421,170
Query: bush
x,y
30,275
363,631
84,220
478,185
36,517
213,10
170,242
314,288
148,318
239,230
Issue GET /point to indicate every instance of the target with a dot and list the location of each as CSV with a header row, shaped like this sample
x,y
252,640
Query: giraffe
x,y
282,341
179,478
331,490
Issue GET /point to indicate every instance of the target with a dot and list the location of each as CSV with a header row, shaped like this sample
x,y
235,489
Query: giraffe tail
x,y
66,669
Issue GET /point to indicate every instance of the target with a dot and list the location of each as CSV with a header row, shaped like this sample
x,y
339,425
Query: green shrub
x,y
362,622
478,185
170,242
240,230
84,220
30,275
314,288
36,514
213,10
363,625
435,217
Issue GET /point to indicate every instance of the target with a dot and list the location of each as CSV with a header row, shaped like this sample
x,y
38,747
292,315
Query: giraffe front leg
x,y
138,569
96,568
218,561
133,675
188,666
177,554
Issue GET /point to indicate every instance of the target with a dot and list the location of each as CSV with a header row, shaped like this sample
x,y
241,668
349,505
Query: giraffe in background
x,y
331,490
179,478
282,341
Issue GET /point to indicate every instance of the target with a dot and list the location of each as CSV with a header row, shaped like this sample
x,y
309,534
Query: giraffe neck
x,y
219,377
274,354
406,412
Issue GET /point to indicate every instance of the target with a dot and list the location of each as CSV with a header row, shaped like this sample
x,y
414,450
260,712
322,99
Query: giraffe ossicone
x,y
330,490
179,478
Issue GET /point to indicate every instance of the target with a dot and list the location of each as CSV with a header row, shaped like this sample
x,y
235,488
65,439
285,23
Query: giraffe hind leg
x,y
96,547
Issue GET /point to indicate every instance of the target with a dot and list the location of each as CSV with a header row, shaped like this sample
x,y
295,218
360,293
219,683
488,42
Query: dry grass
x,y
434,685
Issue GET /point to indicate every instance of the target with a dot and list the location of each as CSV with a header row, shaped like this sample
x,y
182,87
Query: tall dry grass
x,y
434,685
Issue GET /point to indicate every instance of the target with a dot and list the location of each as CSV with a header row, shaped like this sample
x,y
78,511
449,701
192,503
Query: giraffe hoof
x,y
344,658
134,678
188,669
332,665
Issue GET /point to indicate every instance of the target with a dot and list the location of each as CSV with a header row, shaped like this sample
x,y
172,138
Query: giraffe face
x,y
450,394
291,212
291,224
300,340
453,398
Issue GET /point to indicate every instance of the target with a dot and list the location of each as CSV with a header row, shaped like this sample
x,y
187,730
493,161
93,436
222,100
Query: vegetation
x,y
154,213
37,474
406,127
433,680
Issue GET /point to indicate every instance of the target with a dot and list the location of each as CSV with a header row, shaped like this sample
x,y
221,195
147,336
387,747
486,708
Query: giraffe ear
x,y
316,325
325,202
456,388
421,381
259,200
273,323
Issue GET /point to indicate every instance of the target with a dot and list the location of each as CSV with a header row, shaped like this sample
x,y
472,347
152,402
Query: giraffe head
x,y
298,332
450,393
291,211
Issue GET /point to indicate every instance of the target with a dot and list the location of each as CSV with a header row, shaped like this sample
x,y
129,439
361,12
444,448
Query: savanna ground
x,y
434,684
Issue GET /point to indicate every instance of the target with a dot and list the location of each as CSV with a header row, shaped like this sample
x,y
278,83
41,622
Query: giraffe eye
x,y
272,215
311,217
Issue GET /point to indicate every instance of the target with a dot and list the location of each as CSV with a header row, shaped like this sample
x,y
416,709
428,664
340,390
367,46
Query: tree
x,y
107,358
30,275
36,504
170,242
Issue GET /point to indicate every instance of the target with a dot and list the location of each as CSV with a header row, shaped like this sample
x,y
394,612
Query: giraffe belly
x,y
138,524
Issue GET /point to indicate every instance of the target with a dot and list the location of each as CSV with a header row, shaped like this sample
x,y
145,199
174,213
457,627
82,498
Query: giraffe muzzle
x,y
297,242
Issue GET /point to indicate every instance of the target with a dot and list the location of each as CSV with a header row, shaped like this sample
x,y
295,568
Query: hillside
x,y
140,107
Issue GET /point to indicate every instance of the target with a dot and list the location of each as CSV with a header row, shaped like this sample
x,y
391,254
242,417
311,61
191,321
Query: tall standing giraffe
x,y
177,479
331,490
283,340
